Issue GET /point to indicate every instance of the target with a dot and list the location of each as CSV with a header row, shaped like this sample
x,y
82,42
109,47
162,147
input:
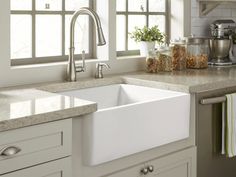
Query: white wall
x,y
200,25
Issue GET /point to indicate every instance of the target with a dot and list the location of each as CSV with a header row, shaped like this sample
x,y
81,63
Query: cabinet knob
x,y
150,168
9,151
144,171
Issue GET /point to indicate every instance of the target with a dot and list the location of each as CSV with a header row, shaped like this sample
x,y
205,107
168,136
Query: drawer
x,y
175,169
37,144
179,164
58,168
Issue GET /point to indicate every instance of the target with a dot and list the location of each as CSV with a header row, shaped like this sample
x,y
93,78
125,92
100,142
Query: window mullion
x,y
167,25
33,30
147,16
126,26
141,13
63,27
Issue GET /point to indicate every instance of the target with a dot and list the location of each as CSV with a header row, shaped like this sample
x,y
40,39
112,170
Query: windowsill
x,y
39,65
27,66
130,57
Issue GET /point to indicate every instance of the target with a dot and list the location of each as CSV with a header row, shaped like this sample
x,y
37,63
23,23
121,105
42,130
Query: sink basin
x,y
131,119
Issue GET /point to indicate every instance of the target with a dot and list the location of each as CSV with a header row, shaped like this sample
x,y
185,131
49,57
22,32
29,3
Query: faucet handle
x,y
81,68
83,59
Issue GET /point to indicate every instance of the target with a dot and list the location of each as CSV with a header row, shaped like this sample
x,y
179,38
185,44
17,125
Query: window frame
x,y
59,58
147,13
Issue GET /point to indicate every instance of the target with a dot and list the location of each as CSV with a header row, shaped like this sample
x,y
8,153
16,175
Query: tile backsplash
x,y
200,26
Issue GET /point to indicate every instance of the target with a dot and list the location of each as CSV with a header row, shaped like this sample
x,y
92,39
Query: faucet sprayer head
x,y
101,39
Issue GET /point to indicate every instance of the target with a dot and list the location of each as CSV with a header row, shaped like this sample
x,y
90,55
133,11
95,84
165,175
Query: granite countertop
x,y
26,107
189,81
34,104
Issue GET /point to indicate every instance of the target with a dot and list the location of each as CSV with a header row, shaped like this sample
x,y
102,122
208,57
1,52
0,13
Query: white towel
x,y
230,144
223,128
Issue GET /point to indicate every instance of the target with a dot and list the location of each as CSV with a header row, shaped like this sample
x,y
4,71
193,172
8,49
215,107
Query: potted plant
x,y
147,37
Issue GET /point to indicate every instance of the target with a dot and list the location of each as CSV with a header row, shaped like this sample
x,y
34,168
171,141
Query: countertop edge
x,y
12,124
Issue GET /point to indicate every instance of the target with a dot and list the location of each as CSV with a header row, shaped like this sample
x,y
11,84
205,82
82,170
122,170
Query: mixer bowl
x,y
219,48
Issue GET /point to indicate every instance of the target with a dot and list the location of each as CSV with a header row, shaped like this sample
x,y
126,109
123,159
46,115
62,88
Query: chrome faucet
x,y
99,70
72,68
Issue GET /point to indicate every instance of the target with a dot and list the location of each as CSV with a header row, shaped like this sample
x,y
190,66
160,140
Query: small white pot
x,y
145,47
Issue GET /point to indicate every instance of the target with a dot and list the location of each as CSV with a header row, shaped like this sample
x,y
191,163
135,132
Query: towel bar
x,y
213,100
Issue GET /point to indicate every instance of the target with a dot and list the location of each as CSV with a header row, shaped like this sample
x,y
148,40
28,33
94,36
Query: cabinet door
x,y
179,164
180,169
130,172
37,144
59,168
210,162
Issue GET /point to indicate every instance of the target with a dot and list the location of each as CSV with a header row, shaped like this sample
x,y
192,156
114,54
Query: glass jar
x,y
178,55
197,53
165,61
152,62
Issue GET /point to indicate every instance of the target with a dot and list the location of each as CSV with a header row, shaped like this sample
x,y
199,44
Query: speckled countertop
x,y
26,107
189,81
34,104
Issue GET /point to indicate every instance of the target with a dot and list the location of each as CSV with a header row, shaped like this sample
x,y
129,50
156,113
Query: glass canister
x,y
165,60
178,54
152,62
197,52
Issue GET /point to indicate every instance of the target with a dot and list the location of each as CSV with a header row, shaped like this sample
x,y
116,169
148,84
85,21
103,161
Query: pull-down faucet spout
x,y
72,68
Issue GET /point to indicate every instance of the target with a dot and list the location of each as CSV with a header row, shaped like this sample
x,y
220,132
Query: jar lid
x,y
178,41
167,53
197,40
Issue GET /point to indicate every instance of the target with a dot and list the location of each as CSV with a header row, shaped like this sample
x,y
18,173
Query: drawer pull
x,y
10,151
150,168
144,171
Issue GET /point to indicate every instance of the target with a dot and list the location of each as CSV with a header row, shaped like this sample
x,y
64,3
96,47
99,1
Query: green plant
x,y
147,34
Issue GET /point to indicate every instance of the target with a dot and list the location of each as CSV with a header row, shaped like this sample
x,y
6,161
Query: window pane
x,y
137,5
76,4
157,5
48,35
135,20
120,32
21,5
120,5
81,34
49,5
21,36
158,20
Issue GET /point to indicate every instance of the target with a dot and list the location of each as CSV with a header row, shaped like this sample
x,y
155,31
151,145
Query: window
x,y
131,13
40,30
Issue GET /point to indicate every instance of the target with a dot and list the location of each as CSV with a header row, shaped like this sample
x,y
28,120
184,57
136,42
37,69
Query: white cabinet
x,y
58,168
177,169
179,164
207,6
29,146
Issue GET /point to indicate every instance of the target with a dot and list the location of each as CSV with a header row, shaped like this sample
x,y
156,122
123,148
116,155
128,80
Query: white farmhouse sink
x,y
131,119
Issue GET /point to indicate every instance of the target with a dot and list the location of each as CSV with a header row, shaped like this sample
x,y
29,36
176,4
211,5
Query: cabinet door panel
x,y
131,172
38,144
59,168
179,164
177,171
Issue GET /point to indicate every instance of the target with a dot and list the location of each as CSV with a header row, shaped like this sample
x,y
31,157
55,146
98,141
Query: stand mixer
x,y
221,44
